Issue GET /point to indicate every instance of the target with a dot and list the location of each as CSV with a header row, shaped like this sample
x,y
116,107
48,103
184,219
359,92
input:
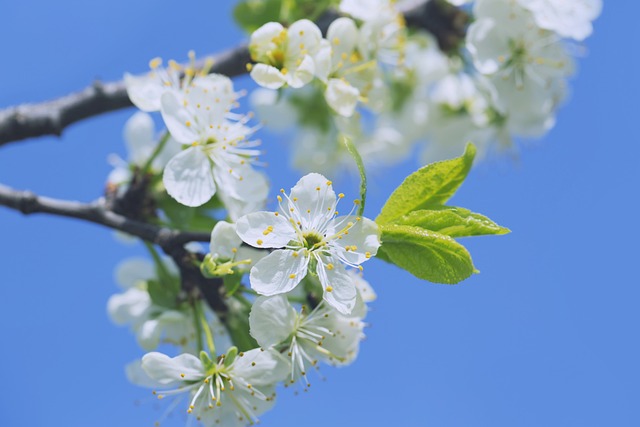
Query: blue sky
x,y
546,335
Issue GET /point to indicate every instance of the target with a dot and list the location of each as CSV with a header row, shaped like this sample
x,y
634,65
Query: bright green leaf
x,y
452,221
425,254
429,186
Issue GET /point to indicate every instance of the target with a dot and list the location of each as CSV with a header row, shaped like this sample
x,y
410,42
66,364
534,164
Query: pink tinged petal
x,y
268,76
223,241
314,199
342,97
279,272
260,367
265,230
178,119
302,74
361,242
145,91
166,370
339,289
272,320
188,178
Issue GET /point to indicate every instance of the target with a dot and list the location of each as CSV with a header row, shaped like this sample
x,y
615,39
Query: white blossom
x,y
232,391
312,239
323,335
228,252
219,154
284,56
567,18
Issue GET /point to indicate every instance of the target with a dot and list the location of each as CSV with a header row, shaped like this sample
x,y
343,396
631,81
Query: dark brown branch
x,y
29,203
446,22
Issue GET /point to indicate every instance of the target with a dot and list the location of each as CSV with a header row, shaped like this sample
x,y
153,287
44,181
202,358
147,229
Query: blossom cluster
x,y
368,81
390,89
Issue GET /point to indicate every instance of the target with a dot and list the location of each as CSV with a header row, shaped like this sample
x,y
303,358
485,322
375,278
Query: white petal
x,y
322,61
268,76
262,40
364,288
136,375
304,39
343,36
139,136
302,74
265,230
178,119
130,306
362,241
148,334
188,178
272,320
224,241
132,271
314,199
487,45
261,367
339,289
342,97
165,369
242,190
279,272
145,91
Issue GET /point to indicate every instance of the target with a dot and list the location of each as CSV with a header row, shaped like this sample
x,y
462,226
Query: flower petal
x,y
188,178
128,307
132,271
139,136
302,74
260,367
314,199
279,272
343,36
360,243
224,241
342,97
166,370
339,289
145,91
272,320
178,119
265,230
268,76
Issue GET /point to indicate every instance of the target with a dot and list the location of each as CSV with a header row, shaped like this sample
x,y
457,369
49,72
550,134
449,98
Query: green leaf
x,y
429,186
452,221
252,14
425,254
162,295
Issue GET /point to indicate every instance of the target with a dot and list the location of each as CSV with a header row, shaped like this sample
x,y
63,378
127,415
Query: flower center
x,y
311,239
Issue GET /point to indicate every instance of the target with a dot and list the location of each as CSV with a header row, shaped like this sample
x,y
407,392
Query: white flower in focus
x,y
312,239
219,155
568,18
284,56
232,391
324,335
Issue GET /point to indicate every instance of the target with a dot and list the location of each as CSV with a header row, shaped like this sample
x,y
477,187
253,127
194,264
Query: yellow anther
x,y
234,250
253,363
295,254
292,276
356,202
295,199
282,190
329,289
155,63
344,55
341,195
291,209
249,66
188,123
276,213
194,144
329,266
181,375
284,71
279,200
301,33
329,182
361,268
317,188
268,230
259,241
367,255
336,41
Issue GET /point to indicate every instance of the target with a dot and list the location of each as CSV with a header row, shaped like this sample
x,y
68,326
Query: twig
x,y
446,22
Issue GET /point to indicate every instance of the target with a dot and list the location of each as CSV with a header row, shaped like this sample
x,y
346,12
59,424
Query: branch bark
x,y
447,23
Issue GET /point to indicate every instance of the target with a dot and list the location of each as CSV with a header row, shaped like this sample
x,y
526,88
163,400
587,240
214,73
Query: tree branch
x,y
29,203
446,22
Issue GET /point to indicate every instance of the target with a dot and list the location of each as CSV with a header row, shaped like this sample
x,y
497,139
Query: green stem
x,y
196,323
163,273
203,326
156,152
351,148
